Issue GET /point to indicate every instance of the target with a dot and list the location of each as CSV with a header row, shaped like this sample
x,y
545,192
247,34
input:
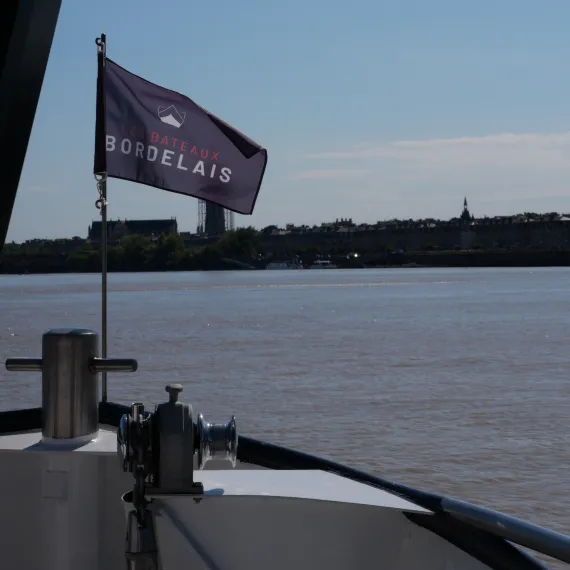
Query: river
x,y
451,380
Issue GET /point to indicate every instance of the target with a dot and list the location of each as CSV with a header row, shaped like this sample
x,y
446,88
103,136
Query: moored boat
x,y
322,264
284,265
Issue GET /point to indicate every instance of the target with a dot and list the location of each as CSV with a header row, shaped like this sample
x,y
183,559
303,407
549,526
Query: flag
x,y
148,134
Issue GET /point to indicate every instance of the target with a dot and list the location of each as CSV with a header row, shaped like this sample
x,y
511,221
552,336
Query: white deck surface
x,y
104,442
314,484
68,505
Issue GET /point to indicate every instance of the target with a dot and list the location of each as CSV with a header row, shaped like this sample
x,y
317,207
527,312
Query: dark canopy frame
x,y
27,28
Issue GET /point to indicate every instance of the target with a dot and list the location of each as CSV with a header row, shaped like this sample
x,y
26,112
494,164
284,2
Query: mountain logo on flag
x,y
171,116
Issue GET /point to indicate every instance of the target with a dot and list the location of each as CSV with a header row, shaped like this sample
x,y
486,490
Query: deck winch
x,y
160,449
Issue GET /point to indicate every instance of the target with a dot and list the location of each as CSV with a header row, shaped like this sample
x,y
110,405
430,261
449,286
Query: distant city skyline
x,y
391,110
164,225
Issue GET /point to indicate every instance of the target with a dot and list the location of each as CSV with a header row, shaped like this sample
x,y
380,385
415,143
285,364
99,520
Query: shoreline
x,y
243,255
352,268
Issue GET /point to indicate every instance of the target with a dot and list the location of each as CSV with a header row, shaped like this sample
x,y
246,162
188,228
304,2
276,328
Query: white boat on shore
x,y
284,265
323,264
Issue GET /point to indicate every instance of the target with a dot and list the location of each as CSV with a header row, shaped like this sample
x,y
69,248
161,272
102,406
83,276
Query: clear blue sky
x,y
369,109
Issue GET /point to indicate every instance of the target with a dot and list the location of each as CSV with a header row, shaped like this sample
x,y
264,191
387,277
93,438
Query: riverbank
x,y
244,249
45,263
476,258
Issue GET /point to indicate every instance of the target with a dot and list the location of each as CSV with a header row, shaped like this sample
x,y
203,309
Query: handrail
x,y
510,528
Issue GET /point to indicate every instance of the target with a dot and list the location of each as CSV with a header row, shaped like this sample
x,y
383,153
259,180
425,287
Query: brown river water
x,y
450,380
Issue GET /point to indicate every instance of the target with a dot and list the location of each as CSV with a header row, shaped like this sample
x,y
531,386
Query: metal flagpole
x,y
101,204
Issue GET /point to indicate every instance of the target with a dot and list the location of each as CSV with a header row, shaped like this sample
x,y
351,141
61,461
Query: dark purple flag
x,y
151,135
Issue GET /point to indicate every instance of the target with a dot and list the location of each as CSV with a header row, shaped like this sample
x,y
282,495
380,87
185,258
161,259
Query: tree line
x,y
245,248
134,253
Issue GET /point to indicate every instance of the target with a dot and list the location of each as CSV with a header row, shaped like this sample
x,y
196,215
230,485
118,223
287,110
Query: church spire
x,y
465,215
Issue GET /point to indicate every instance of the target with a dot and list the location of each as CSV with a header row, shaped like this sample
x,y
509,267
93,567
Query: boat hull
x,y
279,508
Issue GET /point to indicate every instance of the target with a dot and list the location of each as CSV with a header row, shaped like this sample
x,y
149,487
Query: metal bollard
x,y
70,389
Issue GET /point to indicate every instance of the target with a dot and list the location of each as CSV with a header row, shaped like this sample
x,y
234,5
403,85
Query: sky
x,y
369,109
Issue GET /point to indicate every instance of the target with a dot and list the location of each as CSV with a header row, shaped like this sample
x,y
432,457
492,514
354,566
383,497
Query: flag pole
x,y
101,203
